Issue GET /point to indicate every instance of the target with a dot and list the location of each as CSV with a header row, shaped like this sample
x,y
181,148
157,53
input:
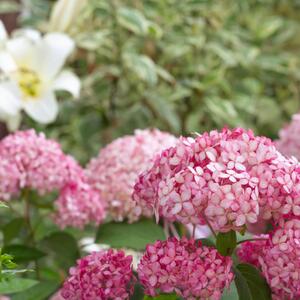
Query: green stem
x,y
27,218
250,240
209,225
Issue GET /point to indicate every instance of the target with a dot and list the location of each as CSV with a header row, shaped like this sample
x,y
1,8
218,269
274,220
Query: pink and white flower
x,y
185,267
102,275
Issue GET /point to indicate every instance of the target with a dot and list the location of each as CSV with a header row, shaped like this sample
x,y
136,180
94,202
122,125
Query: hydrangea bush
x,y
230,180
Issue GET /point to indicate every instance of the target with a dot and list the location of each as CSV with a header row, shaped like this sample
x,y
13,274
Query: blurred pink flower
x,y
78,204
289,142
115,170
39,163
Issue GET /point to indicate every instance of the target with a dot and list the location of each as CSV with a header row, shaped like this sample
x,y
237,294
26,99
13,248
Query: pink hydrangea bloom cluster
x,y
104,275
280,260
250,251
217,175
182,266
30,160
115,170
289,142
279,188
78,204
34,162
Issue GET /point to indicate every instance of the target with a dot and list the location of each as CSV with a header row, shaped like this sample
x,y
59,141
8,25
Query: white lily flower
x,y
31,67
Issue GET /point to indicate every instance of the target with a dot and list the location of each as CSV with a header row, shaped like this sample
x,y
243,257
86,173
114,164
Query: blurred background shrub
x,y
181,66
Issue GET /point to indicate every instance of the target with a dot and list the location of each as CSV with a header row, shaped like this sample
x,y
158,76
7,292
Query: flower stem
x,y
166,229
31,237
209,225
251,240
174,230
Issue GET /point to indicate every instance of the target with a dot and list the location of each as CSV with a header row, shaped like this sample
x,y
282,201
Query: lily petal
x,y
12,122
3,33
22,50
28,33
10,101
44,109
52,54
67,81
7,63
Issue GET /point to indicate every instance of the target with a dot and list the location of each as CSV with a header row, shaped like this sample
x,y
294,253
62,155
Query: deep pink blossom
x,y
185,267
39,163
212,175
115,170
78,204
289,142
103,275
280,262
250,251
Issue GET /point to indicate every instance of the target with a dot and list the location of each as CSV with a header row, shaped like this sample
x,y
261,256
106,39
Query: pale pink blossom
x,y
210,176
185,267
279,188
115,170
279,261
78,204
103,275
289,142
9,179
31,161
39,163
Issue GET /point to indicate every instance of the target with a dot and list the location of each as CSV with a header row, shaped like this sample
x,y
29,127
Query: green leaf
x,y
242,286
250,283
163,297
16,285
22,253
207,242
12,229
62,242
231,293
143,66
135,236
257,283
91,40
39,291
3,205
133,20
226,242
9,7
138,293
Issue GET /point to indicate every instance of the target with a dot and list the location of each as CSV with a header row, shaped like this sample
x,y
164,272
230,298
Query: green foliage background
x,y
182,66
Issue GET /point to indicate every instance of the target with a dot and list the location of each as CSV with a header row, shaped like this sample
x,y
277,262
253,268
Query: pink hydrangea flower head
x,y
41,163
103,275
115,170
185,267
249,252
9,179
280,262
288,142
279,188
78,204
210,175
